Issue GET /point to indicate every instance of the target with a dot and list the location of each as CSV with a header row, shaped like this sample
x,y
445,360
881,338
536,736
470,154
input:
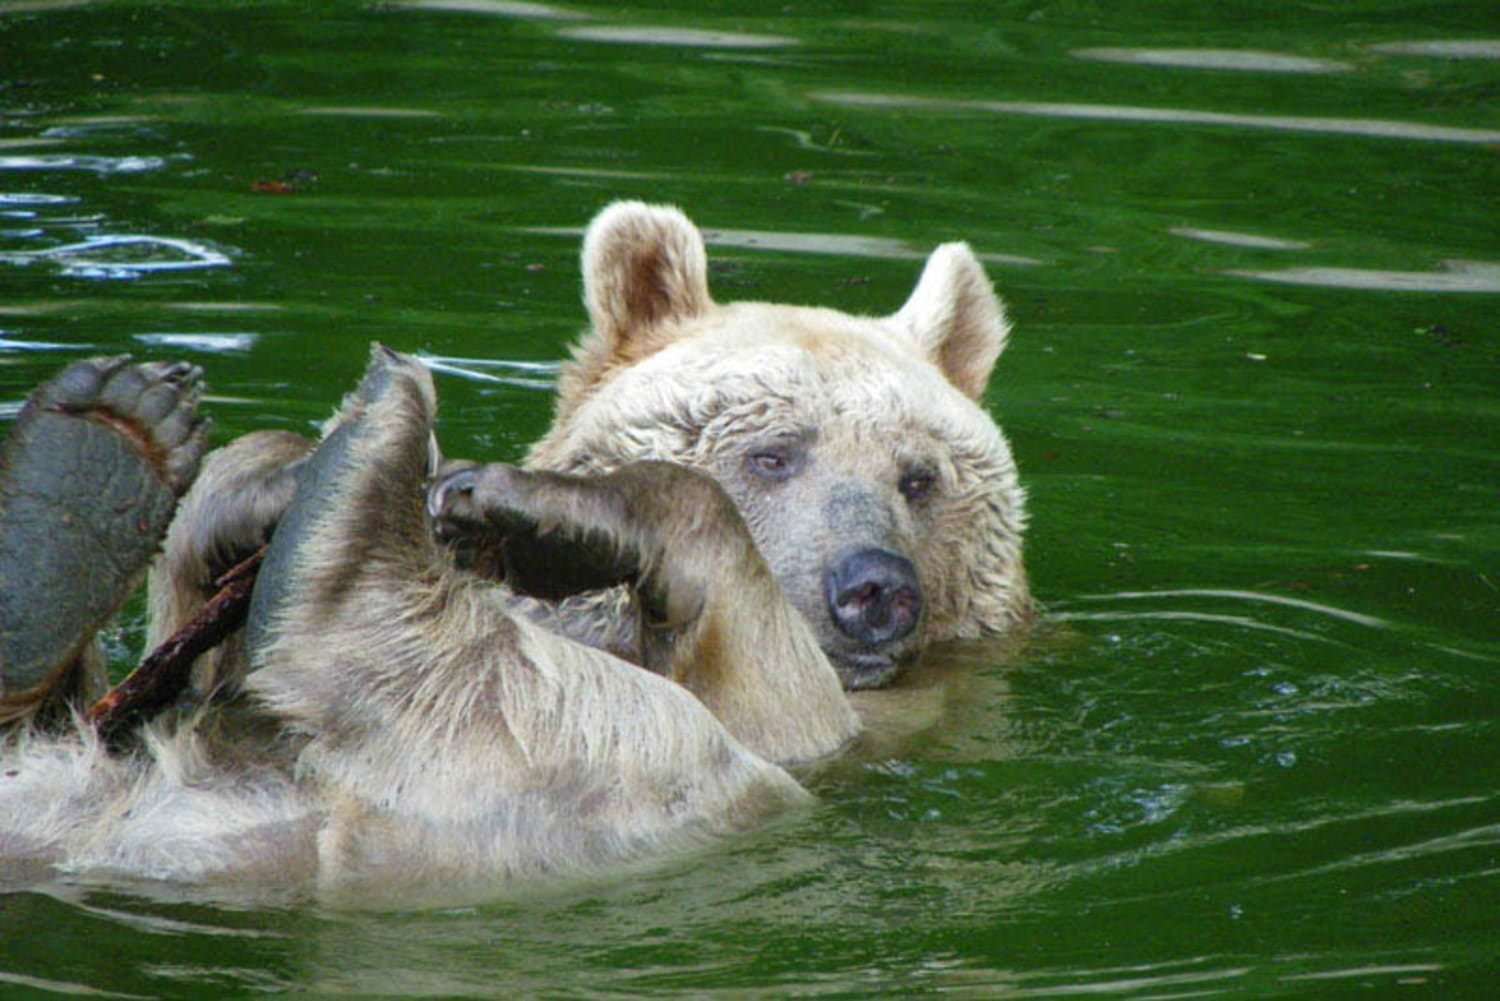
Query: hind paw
x,y
89,478
154,404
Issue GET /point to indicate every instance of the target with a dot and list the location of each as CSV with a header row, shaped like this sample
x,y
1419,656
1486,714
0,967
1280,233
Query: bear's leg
x,y
89,478
714,617
496,521
357,512
229,513
578,589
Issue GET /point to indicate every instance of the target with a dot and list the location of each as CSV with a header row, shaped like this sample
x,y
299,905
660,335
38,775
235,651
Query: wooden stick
x,y
161,677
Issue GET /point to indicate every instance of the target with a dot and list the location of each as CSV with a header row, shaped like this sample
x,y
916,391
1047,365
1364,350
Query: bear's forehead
x,y
824,334
787,378
794,371
750,348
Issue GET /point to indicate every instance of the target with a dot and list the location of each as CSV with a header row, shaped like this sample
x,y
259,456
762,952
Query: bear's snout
x,y
874,597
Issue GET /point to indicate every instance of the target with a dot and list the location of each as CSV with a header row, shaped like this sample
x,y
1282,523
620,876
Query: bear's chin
x,y
864,670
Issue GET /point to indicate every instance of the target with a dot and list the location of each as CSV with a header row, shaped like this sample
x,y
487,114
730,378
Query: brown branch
x,y
161,677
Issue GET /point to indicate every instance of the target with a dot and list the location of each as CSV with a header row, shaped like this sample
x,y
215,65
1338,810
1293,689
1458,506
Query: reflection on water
x,y
1374,128
1216,59
1456,276
684,37
123,256
500,8
1250,240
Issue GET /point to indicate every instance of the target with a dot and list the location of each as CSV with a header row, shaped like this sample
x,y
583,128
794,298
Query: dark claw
x,y
445,491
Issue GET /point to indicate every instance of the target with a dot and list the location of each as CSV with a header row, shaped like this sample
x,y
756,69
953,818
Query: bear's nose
x,y
873,596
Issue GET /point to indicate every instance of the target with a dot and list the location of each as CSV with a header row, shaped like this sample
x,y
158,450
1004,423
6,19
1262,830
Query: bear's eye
x,y
917,484
774,464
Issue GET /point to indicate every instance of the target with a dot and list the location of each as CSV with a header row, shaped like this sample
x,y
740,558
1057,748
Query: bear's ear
x,y
644,266
956,318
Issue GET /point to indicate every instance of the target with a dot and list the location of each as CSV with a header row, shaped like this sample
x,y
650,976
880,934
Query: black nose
x,y
874,596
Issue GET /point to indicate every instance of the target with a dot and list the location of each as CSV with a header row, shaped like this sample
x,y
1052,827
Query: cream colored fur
x,y
432,746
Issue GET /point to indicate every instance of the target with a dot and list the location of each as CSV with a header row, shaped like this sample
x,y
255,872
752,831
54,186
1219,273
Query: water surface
x,y
1253,259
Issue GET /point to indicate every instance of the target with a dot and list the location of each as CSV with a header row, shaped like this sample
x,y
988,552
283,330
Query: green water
x,y
1252,390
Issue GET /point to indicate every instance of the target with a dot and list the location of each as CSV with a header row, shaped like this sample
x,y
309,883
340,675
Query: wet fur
x,y
430,744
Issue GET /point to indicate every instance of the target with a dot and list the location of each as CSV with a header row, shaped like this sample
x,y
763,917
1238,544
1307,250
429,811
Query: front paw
x,y
545,535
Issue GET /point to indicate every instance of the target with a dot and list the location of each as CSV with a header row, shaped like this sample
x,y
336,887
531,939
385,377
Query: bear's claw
x,y
89,479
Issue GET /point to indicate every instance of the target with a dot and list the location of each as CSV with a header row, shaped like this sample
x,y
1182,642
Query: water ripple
x,y
1453,48
76,161
211,343
9,344
44,986
1456,276
1240,60
838,244
499,8
1368,127
534,375
123,256
1134,979
1241,621
1358,618
1383,970
684,37
1233,239
30,198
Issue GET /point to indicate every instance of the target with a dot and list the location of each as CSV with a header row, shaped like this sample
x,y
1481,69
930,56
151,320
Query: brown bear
x,y
753,502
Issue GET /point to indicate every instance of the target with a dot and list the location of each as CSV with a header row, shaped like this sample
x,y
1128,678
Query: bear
x,y
882,495
884,498
458,675
426,742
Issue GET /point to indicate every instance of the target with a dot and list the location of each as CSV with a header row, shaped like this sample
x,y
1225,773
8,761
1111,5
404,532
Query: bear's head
x,y
880,493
